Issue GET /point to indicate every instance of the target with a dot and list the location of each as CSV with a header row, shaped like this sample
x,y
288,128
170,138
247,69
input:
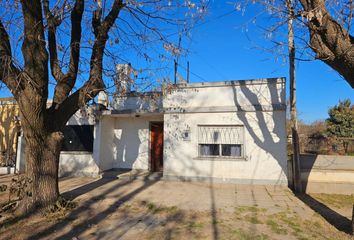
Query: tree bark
x,y
42,163
329,39
42,126
42,150
43,137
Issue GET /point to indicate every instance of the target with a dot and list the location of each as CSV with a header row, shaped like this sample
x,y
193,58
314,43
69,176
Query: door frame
x,y
150,143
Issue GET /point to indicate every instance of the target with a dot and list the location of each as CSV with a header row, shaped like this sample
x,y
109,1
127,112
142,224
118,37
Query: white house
x,y
232,131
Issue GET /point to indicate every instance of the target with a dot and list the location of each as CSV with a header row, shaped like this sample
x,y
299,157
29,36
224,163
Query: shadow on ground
x,y
85,206
74,193
340,222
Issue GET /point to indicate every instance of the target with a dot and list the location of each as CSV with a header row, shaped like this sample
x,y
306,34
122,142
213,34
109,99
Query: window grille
x,y
223,141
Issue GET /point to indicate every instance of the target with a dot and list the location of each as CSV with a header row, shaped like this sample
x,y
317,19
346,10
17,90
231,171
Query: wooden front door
x,y
156,132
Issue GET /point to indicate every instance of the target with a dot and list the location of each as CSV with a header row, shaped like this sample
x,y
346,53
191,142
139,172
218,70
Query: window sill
x,y
217,158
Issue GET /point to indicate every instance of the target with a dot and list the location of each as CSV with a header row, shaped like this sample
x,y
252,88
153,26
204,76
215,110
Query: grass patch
x,y
290,220
276,228
154,209
249,209
215,221
253,219
244,235
335,200
192,225
317,224
59,209
250,214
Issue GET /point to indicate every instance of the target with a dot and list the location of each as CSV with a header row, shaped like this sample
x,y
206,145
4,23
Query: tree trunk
x,y
42,163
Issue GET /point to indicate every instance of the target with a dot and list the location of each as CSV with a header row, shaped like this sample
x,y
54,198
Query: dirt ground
x,y
111,208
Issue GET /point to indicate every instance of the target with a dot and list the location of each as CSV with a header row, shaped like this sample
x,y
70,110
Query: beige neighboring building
x,y
9,127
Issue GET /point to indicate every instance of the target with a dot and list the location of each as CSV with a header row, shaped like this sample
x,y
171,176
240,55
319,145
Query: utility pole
x,y
175,71
294,129
187,71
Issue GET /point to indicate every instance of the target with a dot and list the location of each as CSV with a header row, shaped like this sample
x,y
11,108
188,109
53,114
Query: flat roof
x,y
258,81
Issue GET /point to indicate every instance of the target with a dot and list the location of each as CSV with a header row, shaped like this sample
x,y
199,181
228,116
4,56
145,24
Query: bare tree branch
x,y
331,42
53,23
9,74
33,47
66,83
153,29
95,83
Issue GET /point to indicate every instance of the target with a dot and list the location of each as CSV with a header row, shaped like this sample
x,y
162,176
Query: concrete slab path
x,y
184,195
141,206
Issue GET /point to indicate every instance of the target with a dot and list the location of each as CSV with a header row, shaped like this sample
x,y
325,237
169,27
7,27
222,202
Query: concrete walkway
x,y
142,206
184,195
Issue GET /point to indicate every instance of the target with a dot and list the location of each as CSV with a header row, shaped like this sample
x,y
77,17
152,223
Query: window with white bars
x,y
220,141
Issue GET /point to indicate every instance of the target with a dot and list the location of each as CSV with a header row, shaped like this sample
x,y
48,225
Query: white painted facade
x,y
125,141
122,135
263,160
77,163
258,106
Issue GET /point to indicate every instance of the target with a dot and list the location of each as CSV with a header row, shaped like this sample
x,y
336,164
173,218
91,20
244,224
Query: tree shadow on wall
x,y
271,134
127,146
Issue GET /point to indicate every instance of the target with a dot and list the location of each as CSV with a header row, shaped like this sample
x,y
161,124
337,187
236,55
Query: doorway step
x,y
131,174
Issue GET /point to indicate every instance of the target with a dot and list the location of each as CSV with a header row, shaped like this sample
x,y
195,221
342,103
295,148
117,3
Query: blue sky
x,y
221,49
225,46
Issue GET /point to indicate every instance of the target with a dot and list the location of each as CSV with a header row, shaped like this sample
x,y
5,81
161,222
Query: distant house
x,y
9,128
232,131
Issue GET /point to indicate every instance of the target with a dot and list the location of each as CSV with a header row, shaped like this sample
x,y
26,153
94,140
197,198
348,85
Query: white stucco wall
x,y
77,163
138,102
332,174
122,140
84,116
103,144
228,104
131,141
70,163
248,95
